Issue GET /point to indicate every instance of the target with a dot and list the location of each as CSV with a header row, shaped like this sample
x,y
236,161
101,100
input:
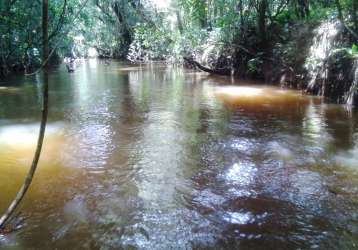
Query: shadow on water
x,y
158,157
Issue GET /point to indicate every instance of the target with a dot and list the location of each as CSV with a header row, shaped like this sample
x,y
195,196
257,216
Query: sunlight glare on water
x,y
251,95
18,143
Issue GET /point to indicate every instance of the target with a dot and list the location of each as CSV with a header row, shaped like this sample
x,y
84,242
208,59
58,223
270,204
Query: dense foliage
x,y
20,31
236,34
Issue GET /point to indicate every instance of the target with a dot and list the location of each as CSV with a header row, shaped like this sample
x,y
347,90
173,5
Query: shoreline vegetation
x,y
299,44
305,45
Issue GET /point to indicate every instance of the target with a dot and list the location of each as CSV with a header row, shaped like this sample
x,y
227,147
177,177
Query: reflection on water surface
x,y
157,157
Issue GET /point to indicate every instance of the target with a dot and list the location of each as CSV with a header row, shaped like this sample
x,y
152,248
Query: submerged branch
x,y
206,69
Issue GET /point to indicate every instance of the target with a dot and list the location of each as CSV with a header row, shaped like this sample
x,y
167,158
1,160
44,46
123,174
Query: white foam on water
x,y
241,173
238,217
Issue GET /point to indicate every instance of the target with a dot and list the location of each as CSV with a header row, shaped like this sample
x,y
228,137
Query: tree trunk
x,y
355,15
302,8
341,18
126,33
261,24
179,21
241,12
45,48
339,9
204,15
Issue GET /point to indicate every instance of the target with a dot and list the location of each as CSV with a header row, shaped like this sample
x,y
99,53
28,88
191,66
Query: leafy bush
x,y
149,43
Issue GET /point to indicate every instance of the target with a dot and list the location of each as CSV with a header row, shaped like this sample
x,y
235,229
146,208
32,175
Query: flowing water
x,y
158,157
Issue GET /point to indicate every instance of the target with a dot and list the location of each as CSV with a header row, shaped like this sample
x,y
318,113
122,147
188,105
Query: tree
x,y
45,42
343,21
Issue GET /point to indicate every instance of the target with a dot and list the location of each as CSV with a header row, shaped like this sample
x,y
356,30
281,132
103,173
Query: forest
x,y
187,124
267,40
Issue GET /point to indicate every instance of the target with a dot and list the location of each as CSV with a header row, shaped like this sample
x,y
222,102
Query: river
x,y
158,157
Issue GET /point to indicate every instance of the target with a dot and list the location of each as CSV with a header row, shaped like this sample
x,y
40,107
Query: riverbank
x,y
318,59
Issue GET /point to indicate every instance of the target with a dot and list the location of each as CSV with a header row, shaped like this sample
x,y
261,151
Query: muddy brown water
x,y
158,157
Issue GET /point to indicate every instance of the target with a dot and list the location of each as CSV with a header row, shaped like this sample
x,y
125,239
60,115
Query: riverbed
x,y
155,156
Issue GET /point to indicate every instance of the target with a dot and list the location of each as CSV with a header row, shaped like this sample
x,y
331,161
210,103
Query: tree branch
x,y
60,21
205,69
